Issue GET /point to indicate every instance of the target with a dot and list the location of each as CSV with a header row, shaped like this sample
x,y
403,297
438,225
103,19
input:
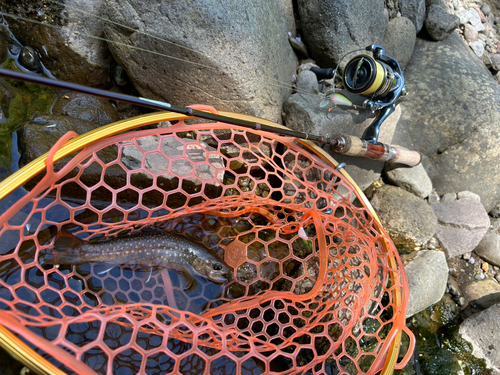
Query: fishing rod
x,y
341,144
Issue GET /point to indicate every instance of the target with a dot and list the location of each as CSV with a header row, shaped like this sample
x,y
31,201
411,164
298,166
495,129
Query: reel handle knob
x,y
323,73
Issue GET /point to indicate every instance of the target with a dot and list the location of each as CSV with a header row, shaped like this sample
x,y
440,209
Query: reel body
x,y
378,80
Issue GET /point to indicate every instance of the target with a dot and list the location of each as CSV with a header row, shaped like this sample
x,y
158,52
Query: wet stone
x,y
28,58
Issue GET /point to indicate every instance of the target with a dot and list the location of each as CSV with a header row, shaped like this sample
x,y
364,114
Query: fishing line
x,y
61,28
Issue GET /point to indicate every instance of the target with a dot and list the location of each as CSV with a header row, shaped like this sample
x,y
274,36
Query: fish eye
x,y
217,266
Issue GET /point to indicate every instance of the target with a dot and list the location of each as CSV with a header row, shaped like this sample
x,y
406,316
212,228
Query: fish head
x,y
212,269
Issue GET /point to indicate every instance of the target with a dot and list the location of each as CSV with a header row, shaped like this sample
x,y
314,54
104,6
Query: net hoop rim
x,y
38,363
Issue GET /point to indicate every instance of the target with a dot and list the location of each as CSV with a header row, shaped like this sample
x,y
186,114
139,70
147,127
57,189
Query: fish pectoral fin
x,y
185,278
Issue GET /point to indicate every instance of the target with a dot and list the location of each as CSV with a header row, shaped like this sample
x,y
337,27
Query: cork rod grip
x,y
354,146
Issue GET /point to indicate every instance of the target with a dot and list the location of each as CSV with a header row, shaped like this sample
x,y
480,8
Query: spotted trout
x,y
150,251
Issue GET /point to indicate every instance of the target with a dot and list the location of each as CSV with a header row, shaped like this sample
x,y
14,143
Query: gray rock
x,y
456,134
412,179
469,195
474,18
333,28
427,278
86,107
495,212
414,10
303,114
43,131
236,58
399,40
441,3
470,33
464,16
439,23
449,197
299,47
495,61
486,9
478,47
462,224
482,330
307,82
404,215
483,293
489,247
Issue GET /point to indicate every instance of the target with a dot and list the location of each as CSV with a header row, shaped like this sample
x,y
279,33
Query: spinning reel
x,y
378,79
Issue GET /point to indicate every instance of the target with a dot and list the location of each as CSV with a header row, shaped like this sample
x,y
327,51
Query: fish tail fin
x,y
66,250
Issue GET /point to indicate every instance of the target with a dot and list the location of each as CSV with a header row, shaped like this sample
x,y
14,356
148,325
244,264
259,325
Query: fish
x,y
159,250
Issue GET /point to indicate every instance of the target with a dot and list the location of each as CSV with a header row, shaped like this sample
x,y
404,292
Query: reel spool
x,y
366,76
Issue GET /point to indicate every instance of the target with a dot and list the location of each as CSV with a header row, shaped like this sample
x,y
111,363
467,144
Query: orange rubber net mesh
x,y
317,286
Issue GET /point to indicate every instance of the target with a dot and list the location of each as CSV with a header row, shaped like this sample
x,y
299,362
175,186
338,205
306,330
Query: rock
x,y
449,197
307,82
483,293
333,28
478,47
495,212
456,134
236,57
495,61
441,3
65,51
461,225
86,107
306,66
482,330
439,23
28,58
404,215
4,45
414,10
304,114
474,18
469,195
480,27
43,131
470,33
399,40
412,179
427,278
489,247
299,47
486,9
464,16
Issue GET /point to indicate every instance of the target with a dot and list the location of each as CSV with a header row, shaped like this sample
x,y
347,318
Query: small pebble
x,y
461,301
496,269
485,267
497,277
472,260
467,256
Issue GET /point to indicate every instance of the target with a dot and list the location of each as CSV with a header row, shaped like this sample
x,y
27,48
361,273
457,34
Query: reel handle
x,y
323,73
354,146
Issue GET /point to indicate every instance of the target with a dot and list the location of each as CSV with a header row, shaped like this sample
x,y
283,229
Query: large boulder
x,y
333,28
427,277
451,116
414,10
482,330
399,40
66,50
404,215
235,58
462,225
